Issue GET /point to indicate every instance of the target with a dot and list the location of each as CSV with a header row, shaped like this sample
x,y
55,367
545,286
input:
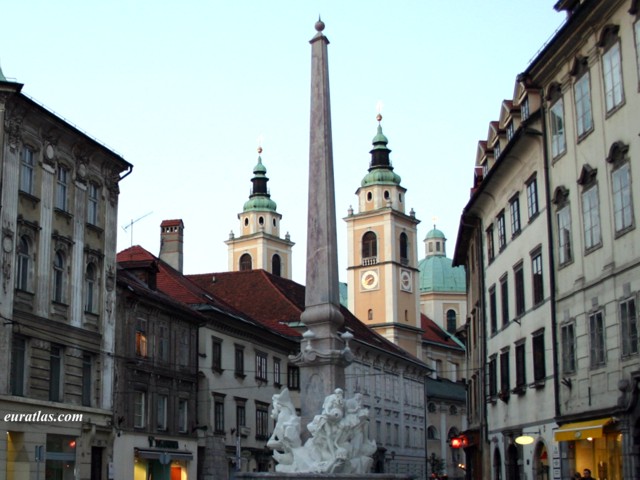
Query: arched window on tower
x,y
404,249
369,248
245,262
451,321
275,265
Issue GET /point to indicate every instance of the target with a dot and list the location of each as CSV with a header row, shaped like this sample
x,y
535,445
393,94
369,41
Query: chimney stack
x,y
171,241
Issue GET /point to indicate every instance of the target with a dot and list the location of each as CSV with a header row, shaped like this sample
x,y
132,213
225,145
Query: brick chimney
x,y
171,240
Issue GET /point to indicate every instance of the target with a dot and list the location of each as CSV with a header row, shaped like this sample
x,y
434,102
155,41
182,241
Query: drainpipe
x,y
552,270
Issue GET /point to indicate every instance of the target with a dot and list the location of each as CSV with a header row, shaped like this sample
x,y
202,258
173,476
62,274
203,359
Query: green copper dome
x,y
380,169
435,233
259,169
437,275
260,203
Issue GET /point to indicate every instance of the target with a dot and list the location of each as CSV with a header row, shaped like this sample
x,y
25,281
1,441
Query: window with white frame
x,y
536,277
92,203
23,264
490,244
502,231
493,375
518,276
58,277
183,415
493,309
218,413
525,109
582,98
532,197
262,420
597,339
565,252
622,200
514,208
505,375
612,68
558,141
90,288
139,409
162,402
591,217
27,170
504,294
62,186
216,354
568,339
629,326
261,366
277,371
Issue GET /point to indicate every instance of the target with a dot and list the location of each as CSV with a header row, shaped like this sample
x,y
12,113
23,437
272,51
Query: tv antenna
x,y
129,226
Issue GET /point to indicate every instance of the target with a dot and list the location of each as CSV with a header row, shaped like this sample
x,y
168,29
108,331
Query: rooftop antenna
x,y
129,226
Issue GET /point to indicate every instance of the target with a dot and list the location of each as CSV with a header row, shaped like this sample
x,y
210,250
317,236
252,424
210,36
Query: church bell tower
x,y
382,254
259,244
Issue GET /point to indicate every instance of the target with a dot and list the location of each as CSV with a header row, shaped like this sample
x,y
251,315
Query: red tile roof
x,y
276,301
171,223
434,334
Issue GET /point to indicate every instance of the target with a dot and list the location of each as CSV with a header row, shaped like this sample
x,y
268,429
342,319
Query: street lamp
x,y
526,438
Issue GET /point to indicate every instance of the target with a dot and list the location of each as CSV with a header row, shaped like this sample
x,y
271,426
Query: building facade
x,y
59,209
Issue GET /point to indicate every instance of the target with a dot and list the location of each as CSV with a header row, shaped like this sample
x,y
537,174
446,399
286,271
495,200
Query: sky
x,y
186,92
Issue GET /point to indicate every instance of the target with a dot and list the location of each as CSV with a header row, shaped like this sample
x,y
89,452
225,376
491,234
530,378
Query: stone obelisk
x,y
324,354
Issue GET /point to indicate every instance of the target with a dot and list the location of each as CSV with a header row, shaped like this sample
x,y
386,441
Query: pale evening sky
x,y
182,90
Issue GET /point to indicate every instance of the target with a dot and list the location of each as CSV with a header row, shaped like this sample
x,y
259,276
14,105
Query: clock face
x,y
369,280
405,280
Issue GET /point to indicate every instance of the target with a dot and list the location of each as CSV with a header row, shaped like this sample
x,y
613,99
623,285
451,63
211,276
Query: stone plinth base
x,y
319,476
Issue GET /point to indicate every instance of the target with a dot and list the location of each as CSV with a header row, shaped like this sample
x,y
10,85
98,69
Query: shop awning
x,y
152,454
582,430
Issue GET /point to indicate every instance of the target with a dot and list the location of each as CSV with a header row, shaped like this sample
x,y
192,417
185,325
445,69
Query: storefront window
x,y
60,457
603,456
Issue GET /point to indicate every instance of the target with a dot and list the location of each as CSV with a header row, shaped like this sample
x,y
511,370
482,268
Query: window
x,y
216,354
92,204
558,143
369,247
184,356
241,414
521,367
568,339
518,274
582,94
431,407
18,355
62,185
536,273
490,245
502,231
622,210
161,412
525,109
26,170
163,342
432,433
404,249
532,198
245,262
496,150
276,265
87,386
493,309
504,373
90,289
451,321
629,324
218,413
539,365
277,372
261,366
596,337
262,421
239,364
510,131
55,373
565,253
141,338
612,72
23,264
514,207
493,376
504,293
293,377
183,415
58,277
139,409
591,217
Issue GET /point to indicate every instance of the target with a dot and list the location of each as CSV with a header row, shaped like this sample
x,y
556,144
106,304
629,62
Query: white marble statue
x,y
338,442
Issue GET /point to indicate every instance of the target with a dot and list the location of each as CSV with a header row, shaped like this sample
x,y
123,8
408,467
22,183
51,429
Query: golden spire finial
x,y
379,110
260,140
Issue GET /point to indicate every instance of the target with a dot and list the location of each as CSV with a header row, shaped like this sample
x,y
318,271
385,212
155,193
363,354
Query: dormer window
x,y
524,109
510,131
496,150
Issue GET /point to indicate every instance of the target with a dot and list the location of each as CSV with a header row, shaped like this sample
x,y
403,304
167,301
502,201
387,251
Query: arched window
x,y
369,246
23,264
245,262
275,265
432,433
497,465
431,407
404,248
90,288
370,314
451,321
58,277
